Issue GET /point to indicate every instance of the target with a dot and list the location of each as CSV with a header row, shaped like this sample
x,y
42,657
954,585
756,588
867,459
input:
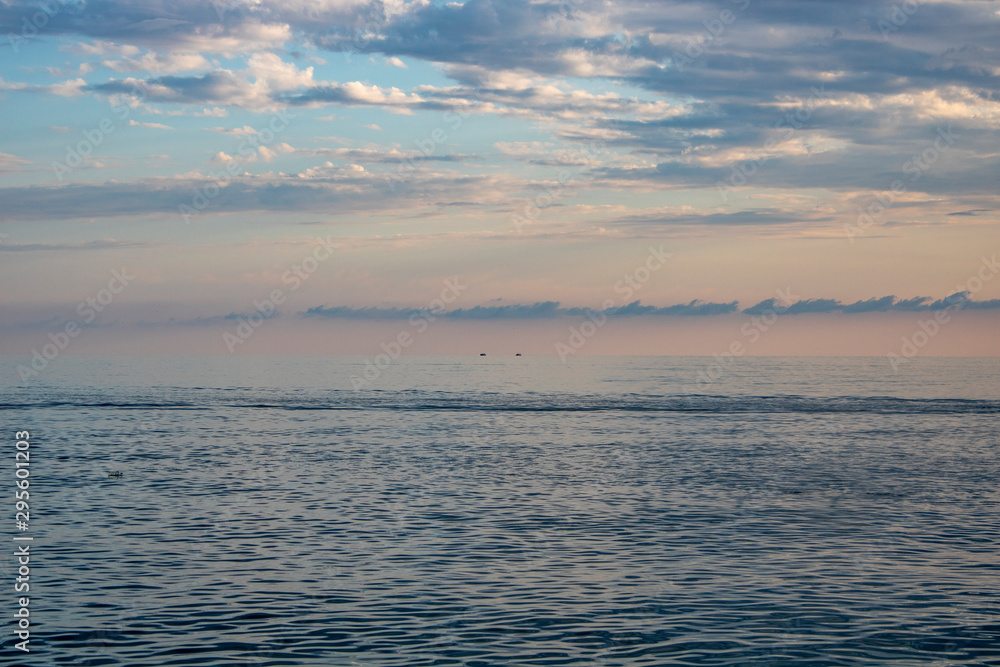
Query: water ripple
x,y
758,531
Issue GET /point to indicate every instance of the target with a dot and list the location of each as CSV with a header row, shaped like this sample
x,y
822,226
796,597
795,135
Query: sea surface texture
x,y
514,511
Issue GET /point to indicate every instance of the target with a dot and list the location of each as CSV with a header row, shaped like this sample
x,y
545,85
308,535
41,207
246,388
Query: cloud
x,y
970,212
12,163
71,88
244,131
805,94
539,310
375,154
694,308
266,83
257,87
343,188
349,313
354,93
761,217
123,28
990,304
884,304
155,126
520,312
266,154
155,63
104,244
215,112
222,158
101,48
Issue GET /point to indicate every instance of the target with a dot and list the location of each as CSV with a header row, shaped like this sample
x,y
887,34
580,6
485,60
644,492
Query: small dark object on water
x,y
116,473
518,354
482,354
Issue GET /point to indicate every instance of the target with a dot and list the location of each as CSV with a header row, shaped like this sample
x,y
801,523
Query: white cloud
x,y
256,87
214,112
156,64
375,95
71,88
518,95
947,103
246,130
102,48
155,126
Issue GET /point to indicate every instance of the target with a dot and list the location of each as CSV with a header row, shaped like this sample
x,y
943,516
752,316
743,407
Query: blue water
x,y
521,511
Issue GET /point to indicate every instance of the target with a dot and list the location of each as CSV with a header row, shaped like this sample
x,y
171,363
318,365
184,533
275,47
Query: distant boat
x,y
518,354
116,473
482,354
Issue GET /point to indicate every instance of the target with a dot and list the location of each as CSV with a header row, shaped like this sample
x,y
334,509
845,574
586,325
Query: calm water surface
x,y
486,511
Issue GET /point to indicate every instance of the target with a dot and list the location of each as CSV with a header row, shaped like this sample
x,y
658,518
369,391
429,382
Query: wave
x,y
216,399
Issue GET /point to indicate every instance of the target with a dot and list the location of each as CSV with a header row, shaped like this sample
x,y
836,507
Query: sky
x,y
560,177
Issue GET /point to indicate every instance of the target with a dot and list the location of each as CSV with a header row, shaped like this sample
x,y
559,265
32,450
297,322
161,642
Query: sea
x,y
483,511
